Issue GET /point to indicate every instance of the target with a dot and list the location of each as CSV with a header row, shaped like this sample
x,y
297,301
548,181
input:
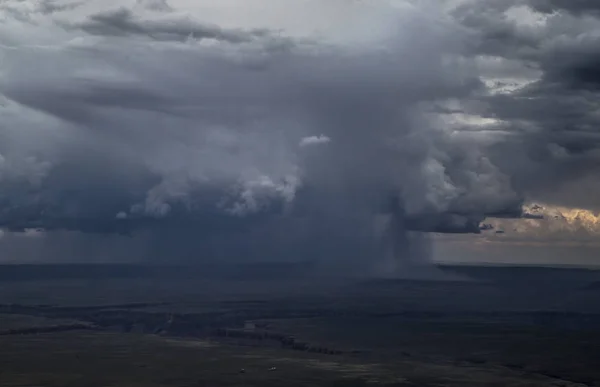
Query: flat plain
x,y
114,325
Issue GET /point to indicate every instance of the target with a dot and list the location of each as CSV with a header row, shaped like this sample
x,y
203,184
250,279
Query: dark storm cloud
x,y
123,21
204,137
79,101
495,34
553,121
577,7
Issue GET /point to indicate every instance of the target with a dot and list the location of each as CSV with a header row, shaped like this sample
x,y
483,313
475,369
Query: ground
x,y
497,328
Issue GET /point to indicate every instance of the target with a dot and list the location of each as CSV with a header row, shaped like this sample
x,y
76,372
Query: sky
x,y
340,131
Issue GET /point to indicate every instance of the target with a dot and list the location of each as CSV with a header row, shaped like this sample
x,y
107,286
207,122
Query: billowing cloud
x,y
314,140
539,60
551,223
181,122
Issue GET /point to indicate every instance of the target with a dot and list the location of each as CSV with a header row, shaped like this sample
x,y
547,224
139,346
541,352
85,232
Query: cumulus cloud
x,y
314,140
153,117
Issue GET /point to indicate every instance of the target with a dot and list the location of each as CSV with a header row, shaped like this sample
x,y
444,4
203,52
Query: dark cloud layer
x,y
552,121
123,22
141,120
577,7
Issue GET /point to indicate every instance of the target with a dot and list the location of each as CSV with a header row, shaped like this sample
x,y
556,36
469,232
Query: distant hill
x,y
249,271
278,270
526,273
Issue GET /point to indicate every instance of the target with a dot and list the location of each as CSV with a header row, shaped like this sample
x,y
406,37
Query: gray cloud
x,y
550,120
191,134
577,7
155,5
124,21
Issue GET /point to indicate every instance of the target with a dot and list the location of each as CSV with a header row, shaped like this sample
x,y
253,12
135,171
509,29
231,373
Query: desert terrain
x,y
280,325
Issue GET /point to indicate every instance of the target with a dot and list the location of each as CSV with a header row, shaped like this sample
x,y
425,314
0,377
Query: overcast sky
x,y
176,130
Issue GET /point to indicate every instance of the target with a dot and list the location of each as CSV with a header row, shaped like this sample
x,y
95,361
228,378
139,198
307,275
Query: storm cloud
x,y
540,61
201,136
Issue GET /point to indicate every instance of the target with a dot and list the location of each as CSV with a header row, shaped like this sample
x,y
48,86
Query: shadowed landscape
x,y
136,325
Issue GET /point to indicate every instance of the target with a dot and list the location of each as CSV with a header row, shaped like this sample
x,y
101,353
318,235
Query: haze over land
x,y
334,131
